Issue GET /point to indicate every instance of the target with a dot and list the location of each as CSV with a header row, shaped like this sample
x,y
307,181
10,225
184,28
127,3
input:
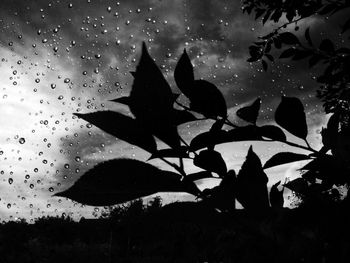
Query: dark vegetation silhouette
x,y
212,229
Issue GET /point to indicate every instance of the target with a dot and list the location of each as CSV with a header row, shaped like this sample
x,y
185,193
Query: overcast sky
x,y
60,57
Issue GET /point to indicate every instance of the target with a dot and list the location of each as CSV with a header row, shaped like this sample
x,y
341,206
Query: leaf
x,y
151,100
327,46
272,132
308,37
170,153
288,53
270,57
290,115
285,157
298,185
251,184
212,161
276,196
122,100
246,133
250,113
183,74
205,139
288,38
198,176
208,100
277,42
122,127
330,134
182,116
120,180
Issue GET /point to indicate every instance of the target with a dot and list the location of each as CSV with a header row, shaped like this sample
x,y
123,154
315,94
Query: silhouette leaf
x,y
285,157
183,74
272,132
207,99
290,115
170,153
207,139
122,127
298,185
120,180
151,100
212,161
182,116
251,183
346,26
276,196
198,176
123,100
289,52
288,38
250,113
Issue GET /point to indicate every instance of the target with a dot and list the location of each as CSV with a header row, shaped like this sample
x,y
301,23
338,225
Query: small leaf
x,y
308,37
208,100
250,113
170,153
272,132
251,184
327,46
285,157
211,161
290,52
183,74
207,139
246,133
288,38
122,127
298,185
270,57
276,196
290,115
120,180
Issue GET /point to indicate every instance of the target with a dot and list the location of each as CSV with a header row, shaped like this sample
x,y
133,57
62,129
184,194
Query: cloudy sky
x,y
60,57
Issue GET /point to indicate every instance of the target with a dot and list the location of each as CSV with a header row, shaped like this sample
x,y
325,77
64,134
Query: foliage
x,y
334,81
152,103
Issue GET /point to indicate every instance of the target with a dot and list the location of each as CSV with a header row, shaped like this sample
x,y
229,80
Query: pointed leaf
x,y
151,100
272,132
122,127
122,100
285,157
207,99
245,133
120,180
250,113
251,183
290,115
211,161
183,74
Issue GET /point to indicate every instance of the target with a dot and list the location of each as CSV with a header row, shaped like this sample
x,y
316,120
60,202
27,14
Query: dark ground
x,y
183,232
